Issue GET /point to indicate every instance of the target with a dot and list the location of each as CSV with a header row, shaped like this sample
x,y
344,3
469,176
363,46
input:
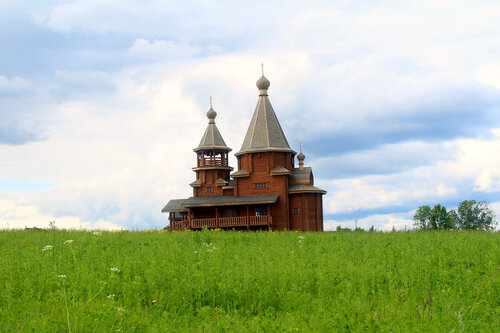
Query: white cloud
x,y
474,167
14,86
395,190
384,222
386,159
90,81
16,213
162,50
187,20
490,74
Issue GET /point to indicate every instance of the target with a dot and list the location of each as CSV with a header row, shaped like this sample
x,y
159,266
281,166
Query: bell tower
x,y
212,167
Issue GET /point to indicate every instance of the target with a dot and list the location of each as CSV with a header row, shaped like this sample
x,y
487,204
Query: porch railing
x,y
232,221
200,223
260,220
224,222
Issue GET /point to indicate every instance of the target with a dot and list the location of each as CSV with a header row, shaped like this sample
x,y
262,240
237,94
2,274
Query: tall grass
x,y
246,281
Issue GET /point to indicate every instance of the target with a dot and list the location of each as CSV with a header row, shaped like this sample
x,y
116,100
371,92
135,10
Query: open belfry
x,y
267,191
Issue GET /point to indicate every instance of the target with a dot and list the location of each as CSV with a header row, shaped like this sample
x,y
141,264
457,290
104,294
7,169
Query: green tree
x,y
441,219
422,217
437,218
473,215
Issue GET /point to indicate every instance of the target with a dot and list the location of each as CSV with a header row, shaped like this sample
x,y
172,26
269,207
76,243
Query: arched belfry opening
x,y
212,158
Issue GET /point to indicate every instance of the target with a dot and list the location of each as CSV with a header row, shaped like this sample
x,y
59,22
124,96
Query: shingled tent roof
x,y
264,132
174,205
212,139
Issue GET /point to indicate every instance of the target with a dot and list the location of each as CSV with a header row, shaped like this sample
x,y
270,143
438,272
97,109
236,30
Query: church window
x,y
260,185
295,210
210,189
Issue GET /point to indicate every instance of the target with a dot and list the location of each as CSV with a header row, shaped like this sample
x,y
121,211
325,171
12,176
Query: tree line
x,y
469,215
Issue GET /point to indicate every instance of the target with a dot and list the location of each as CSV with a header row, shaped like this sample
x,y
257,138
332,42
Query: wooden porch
x,y
221,222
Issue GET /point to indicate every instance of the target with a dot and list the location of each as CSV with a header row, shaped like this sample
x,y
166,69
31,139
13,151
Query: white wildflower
x,y
195,251
210,247
301,237
69,241
47,247
154,301
97,233
114,269
111,296
119,330
62,276
120,309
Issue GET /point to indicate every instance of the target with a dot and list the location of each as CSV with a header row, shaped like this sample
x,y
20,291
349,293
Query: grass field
x,y
58,281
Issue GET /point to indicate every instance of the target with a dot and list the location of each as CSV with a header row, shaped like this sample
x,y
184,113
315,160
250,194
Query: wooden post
x,y
189,219
248,218
268,213
217,217
302,208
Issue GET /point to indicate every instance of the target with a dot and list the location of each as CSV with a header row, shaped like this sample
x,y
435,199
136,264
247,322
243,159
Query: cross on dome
x,y
211,114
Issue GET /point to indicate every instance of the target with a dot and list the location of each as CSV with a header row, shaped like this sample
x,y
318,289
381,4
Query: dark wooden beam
x,y
248,218
216,217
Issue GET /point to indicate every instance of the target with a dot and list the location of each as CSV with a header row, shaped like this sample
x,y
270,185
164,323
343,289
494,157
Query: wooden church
x,y
267,191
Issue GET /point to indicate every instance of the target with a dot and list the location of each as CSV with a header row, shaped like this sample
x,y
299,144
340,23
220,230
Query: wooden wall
x,y
260,165
310,214
208,178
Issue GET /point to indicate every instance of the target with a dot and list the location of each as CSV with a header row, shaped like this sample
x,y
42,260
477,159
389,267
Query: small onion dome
x,y
301,156
263,83
211,114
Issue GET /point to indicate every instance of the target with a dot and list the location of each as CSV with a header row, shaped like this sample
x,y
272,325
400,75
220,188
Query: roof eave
x,y
212,167
280,173
224,148
173,210
230,204
307,191
264,150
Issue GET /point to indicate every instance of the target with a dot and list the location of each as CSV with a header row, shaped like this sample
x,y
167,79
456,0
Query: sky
x,y
397,103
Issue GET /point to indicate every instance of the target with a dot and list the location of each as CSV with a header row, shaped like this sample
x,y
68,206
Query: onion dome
x,y
301,157
263,83
212,139
211,114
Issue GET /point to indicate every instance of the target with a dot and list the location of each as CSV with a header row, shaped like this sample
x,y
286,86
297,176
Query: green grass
x,y
239,281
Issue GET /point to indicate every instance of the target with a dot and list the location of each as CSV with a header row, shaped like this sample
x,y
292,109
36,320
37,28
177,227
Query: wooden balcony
x,y
223,222
212,162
